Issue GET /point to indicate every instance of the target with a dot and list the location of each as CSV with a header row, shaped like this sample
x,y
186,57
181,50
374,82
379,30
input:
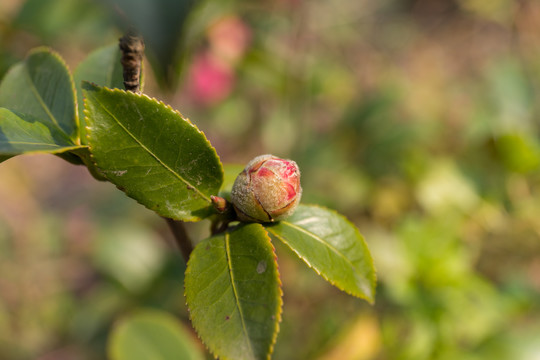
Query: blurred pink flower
x,y
212,73
210,79
229,38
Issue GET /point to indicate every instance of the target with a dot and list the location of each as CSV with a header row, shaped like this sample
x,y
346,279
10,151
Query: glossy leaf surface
x,y
102,67
151,334
233,292
41,86
332,246
21,133
152,153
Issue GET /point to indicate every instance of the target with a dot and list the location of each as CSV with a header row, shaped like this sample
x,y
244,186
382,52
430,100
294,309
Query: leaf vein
x,y
314,236
41,102
235,291
203,196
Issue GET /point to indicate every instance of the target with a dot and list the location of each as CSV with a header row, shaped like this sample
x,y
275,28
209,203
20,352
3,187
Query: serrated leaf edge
x,y
280,305
45,49
92,159
373,279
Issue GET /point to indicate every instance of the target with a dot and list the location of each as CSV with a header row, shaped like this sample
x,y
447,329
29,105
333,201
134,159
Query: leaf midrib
x,y
40,100
235,292
319,239
154,155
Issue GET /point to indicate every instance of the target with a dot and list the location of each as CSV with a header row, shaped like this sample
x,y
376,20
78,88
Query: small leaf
x,y
332,246
151,334
152,153
128,254
233,292
102,67
41,86
21,133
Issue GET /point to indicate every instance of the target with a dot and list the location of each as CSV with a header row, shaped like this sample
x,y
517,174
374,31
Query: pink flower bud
x,y
267,190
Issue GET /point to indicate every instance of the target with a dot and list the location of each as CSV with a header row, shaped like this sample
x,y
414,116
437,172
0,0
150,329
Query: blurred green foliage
x,y
418,119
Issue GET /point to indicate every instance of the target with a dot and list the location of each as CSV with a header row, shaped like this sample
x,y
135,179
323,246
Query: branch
x,y
132,47
181,237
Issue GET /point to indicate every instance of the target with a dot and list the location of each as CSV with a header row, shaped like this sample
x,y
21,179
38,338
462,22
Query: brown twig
x,y
225,214
132,47
181,237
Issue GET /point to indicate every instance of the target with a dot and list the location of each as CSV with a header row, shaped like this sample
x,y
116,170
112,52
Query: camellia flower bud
x,y
267,190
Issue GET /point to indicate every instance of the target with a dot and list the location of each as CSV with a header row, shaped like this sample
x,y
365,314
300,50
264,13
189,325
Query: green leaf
x,y
102,67
519,152
22,133
151,334
233,291
332,246
152,153
41,86
128,254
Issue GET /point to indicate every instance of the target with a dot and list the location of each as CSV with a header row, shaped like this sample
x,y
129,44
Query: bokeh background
x,y
417,119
